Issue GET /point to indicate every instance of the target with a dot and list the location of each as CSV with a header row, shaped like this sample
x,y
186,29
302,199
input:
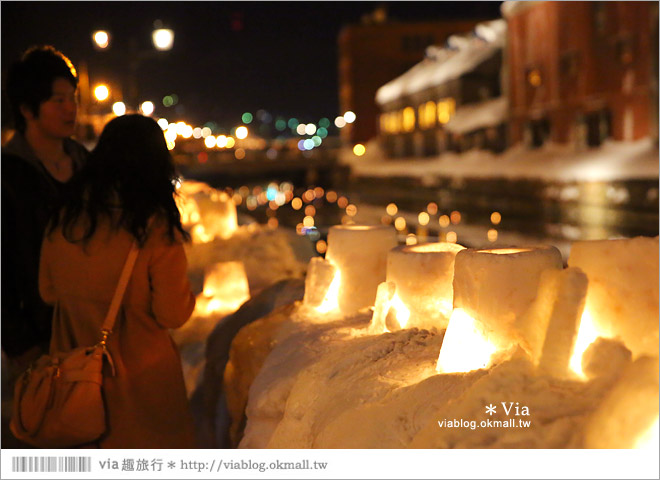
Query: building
x,y
452,100
373,53
582,71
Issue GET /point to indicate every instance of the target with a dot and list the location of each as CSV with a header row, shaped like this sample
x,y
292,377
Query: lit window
x,y
408,119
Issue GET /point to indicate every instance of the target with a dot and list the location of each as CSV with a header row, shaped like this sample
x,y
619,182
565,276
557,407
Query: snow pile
x,y
330,381
553,162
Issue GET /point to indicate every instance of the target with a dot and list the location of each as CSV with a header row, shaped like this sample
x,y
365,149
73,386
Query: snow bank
x,y
553,162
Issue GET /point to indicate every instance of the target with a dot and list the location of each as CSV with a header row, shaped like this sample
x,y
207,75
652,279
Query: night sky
x,y
228,57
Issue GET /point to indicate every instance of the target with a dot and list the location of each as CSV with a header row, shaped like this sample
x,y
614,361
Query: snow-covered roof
x,y
511,8
478,115
462,54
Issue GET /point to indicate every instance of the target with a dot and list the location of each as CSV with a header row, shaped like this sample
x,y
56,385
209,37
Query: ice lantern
x,y
359,252
496,287
422,275
622,296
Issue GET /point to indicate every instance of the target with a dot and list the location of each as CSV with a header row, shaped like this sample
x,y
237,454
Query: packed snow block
x,y
360,254
248,352
218,213
320,274
622,297
423,275
563,321
497,286
605,358
628,411
211,414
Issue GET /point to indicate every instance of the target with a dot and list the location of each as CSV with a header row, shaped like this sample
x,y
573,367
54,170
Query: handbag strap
x,y
110,318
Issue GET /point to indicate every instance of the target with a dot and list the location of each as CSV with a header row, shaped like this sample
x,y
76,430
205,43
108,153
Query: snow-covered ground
x,y
552,162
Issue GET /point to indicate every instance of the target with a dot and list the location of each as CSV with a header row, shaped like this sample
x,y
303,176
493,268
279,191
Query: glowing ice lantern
x,y
622,296
225,288
359,252
423,276
496,287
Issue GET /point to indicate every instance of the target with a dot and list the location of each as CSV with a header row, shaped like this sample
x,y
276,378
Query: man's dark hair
x,y
30,80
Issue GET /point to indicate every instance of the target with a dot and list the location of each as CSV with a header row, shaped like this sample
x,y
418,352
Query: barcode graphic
x,y
51,464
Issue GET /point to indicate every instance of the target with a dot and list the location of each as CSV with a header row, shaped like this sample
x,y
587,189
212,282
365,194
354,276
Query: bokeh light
x,y
119,109
241,132
359,149
101,92
247,118
495,218
147,108
349,117
391,209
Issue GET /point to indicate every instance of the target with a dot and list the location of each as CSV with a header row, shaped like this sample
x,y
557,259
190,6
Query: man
x,y
37,163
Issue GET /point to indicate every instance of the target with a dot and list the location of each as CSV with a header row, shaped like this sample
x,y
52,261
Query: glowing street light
x,y
101,92
163,39
349,117
147,108
101,39
119,108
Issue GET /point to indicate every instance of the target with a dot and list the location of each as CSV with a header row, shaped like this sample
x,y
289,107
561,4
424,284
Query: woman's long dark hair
x,y
130,169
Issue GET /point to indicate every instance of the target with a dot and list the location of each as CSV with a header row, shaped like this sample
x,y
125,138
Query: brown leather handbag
x,y
58,400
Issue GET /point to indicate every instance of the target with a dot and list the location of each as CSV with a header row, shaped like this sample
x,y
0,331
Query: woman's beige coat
x,y
146,400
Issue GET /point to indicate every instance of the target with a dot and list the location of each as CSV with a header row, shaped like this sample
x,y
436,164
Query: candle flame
x,y
331,301
464,348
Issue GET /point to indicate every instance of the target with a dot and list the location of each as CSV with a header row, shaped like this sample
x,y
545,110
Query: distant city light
x,y
221,141
101,39
187,131
147,108
293,123
423,218
309,144
230,142
324,122
206,131
340,122
180,128
119,109
301,145
101,92
310,129
317,140
162,122
239,154
280,124
359,149
322,132
241,132
247,118
209,141
163,39
300,129
391,209
495,218
349,117
197,132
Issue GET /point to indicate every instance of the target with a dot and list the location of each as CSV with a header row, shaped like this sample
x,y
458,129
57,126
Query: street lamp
x,y
101,93
101,39
163,39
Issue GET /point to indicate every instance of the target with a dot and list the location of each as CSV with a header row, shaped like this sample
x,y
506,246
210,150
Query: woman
x,y
125,193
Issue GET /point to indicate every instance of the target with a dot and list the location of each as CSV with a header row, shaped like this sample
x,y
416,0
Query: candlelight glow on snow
x,y
587,334
331,301
225,289
464,347
649,439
